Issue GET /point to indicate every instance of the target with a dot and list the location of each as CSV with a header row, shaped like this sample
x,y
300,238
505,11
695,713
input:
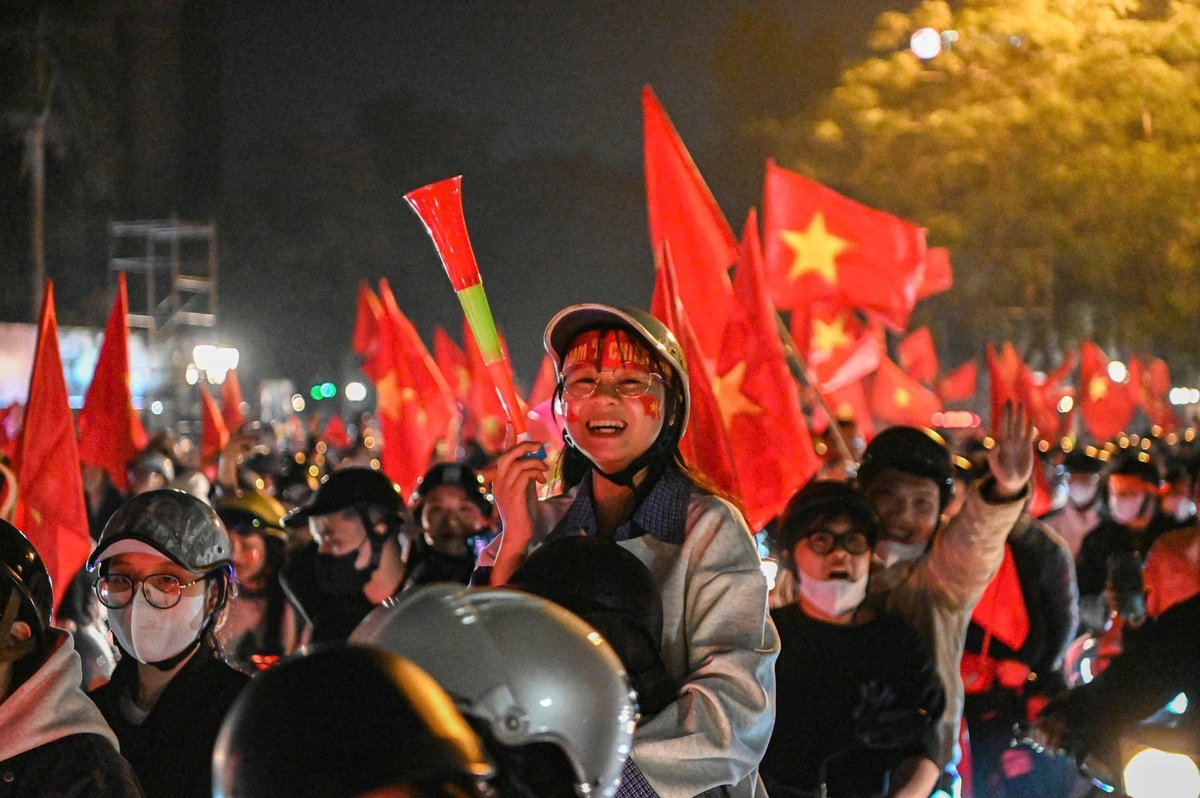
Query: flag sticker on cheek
x,y
651,405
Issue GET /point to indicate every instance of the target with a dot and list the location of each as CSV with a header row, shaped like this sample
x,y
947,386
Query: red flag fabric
x,y
335,433
51,509
110,431
366,330
486,419
452,362
959,384
1150,385
938,276
823,246
1105,406
757,395
544,383
841,348
433,394
899,399
1009,378
683,211
1001,610
231,401
706,441
213,432
917,356
850,402
1042,500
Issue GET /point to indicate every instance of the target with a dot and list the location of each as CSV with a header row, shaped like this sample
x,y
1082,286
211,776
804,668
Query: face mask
x,y
1081,495
891,552
1180,508
833,596
1126,509
336,574
152,635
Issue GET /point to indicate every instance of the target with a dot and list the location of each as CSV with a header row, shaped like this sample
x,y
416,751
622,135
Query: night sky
x,y
544,78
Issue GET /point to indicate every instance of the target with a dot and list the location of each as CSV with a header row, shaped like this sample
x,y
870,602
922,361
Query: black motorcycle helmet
x,y
459,475
349,487
821,500
342,722
25,586
910,450
613,592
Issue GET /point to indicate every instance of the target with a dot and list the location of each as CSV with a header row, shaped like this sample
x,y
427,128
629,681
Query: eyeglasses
x,y
823,543
161,590
628,382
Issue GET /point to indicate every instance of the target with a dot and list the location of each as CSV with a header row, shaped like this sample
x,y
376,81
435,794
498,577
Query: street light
x,y
215,361
356,391
925,43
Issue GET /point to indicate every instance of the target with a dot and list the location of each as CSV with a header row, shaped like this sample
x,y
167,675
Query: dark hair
x,y
821,501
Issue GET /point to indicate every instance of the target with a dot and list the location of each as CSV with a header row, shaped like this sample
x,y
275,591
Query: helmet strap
x,y
13,651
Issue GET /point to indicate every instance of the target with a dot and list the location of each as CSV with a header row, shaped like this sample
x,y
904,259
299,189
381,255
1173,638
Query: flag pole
x,y
799,370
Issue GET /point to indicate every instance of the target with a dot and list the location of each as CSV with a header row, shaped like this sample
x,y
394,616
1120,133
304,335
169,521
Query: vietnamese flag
x,y
231,401
544,384
1150,385
213,432
917,356
1001,610
938,276
899,399
110,432
706,441
367,321
841,349
849,403
452,362
821,246
486,419
757,395
1008,377
683,211
959,384
51,509
431,392
1106,406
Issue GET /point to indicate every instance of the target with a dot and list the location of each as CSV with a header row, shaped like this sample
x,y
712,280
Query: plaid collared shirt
x,y
662,514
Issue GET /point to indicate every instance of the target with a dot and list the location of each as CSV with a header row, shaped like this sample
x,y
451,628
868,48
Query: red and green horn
x,y
440,207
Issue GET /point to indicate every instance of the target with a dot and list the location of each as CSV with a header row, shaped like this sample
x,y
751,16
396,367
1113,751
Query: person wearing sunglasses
x,y
164,569
843,665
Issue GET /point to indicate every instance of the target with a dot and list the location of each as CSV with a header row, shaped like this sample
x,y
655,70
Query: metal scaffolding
x,y
171,271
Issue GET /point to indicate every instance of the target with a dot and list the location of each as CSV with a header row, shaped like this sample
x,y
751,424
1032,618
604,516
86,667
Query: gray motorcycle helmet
x,y
177,524
527,668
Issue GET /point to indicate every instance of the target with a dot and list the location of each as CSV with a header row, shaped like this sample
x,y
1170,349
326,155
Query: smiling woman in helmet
x,y
623,393
163,569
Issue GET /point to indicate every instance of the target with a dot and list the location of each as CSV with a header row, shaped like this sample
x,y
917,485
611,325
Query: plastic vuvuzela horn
x,y
440,207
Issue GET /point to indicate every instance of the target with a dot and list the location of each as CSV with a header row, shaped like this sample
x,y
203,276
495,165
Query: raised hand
x,y
1011,459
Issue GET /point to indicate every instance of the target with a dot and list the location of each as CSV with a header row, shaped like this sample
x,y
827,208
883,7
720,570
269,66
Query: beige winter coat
x,y
718,643
938,592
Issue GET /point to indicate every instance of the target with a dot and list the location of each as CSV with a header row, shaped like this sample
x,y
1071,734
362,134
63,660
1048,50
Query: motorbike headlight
x,y
1152,773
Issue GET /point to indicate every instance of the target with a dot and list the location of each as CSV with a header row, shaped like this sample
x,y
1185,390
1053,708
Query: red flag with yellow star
x,y
413,401
1150,385
1009,379
938,276
849,403
841,347
367,320
820,245
213,432
110,432
1105,405
706,441
683,211
899,399
486,418
51,509
917,355
452,362
757,395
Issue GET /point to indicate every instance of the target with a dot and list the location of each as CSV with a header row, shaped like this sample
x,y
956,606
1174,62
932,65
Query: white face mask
x,y
1126,509
1081,495
833,596
152,635
891,552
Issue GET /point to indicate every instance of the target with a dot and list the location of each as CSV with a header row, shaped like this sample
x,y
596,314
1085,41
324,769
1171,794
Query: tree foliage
x,y
1053,146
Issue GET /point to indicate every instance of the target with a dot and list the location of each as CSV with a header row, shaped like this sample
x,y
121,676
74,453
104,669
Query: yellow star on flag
x,y
816,250
829,336
902,398
1097,388
388,396
731,400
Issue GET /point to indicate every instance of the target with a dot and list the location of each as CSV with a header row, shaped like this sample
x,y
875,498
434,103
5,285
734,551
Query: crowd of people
x,y
602,625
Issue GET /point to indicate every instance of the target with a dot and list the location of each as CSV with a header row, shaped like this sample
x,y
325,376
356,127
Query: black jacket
x,y
171,750
75,766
